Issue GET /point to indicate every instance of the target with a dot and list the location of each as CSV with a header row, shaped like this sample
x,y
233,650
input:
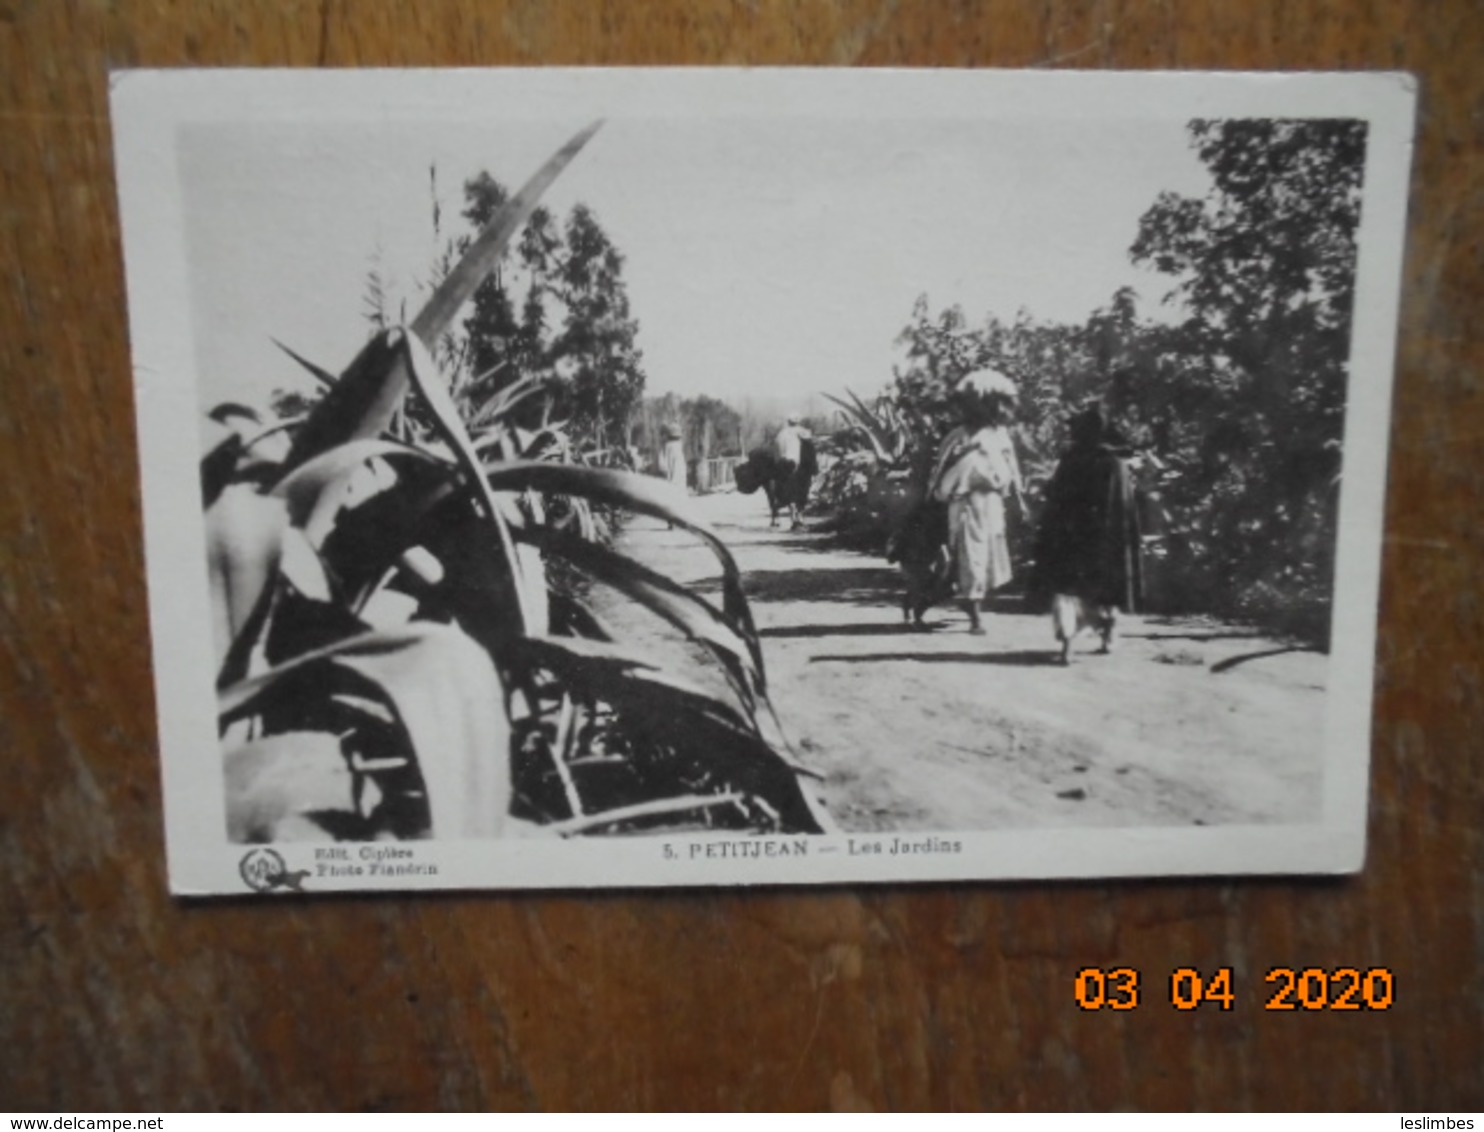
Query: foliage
x,y
873,470
557,306
1266,269
709,427
387,588
1240,404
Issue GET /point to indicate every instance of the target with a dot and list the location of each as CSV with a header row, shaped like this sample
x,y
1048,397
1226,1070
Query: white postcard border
x,y
150,107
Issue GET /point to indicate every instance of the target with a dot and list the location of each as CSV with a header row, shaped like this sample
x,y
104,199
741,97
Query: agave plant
x,y
882,456
881,429
403,618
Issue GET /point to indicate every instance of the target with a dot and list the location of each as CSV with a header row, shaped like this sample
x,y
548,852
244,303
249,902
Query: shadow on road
x,y
1193,635
1020,658
886,629
858,586
1232,661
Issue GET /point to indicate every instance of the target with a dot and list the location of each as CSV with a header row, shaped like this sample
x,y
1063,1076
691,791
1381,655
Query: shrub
x,y
408,593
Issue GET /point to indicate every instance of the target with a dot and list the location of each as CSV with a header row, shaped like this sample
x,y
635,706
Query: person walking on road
x,y
976,470
672,457
1088,550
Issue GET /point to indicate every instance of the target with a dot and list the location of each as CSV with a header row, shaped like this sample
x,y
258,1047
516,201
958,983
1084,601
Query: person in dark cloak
x,y
1088,549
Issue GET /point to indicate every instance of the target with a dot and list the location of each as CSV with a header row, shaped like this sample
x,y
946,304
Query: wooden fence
x,y
716,474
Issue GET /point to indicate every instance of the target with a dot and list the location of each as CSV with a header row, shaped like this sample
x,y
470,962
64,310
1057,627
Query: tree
x,y
595,352
502,345
708,427
1265,266
396,626
556,306
1055,366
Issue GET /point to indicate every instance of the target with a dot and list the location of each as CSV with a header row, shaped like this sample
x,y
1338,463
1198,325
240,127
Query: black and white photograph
x,y
630,477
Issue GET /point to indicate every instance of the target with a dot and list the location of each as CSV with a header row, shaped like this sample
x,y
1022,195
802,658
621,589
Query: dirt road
x,y
1187,723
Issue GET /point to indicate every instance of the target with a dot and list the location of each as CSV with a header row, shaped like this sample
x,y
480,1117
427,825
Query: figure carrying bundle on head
x,y
672,456
976,471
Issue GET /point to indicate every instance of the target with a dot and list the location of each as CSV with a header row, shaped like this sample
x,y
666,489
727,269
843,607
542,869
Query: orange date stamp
x,y
1285,989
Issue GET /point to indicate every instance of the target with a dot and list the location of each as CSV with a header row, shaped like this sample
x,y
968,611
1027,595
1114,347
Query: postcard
x,y
562,478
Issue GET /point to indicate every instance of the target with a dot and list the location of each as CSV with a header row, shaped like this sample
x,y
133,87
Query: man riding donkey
x,y
784,469
788,448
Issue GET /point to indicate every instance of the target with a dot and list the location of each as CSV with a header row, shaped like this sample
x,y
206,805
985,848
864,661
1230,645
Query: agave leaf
x,y
615,673
677,713
300,565
633,492
362,516
518,444
868,425
219,467
278,787
693,615
535,445
303,488
362,402
502,401
360,406
506,405
526,574
603,658
324,377
446,696
489,373
367,545
244,539
587,525
660,807
487,248
496,438
272,431
579,619
878,422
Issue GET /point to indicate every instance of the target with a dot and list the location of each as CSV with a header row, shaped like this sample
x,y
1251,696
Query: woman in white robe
x,y
976,471
672,457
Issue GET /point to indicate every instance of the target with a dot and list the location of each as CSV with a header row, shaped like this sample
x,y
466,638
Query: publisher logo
x,y
263,870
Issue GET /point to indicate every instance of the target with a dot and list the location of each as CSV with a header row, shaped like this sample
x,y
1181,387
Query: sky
x,y
765,258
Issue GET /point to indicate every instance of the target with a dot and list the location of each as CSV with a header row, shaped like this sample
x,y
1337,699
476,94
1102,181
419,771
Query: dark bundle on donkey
x,y
920,549
783,482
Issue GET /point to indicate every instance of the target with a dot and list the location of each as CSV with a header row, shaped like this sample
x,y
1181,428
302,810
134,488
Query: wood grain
x,y
114,997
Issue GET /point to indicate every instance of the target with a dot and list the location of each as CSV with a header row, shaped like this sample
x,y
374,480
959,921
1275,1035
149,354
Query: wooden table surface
x,y
115,997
